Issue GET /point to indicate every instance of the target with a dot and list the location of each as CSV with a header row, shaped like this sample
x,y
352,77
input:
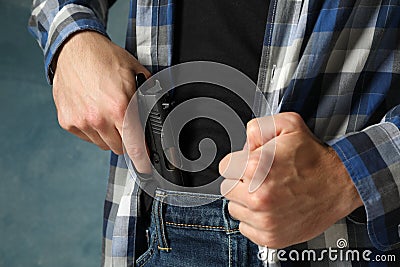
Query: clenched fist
x,y
305,191
93,84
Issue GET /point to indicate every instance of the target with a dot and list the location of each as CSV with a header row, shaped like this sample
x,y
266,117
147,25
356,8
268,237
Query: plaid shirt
x,y
336,63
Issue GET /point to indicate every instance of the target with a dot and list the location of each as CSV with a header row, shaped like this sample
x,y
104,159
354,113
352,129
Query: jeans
x,y
205,235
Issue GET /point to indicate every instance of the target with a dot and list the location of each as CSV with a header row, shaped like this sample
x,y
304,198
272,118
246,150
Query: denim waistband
x,y
195,210
195,229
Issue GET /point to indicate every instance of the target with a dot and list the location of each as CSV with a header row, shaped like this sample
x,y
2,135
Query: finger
x,y
255,219
252,166
262,238
235,190
261,130
264,157
79,134
238,211
228,185
233,165
134,140
238,192
96,139
112,138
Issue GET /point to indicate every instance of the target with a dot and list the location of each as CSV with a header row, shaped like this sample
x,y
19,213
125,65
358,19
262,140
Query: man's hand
x,y
305,192
93,84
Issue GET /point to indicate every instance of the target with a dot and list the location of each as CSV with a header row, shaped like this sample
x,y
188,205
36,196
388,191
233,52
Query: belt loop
x,y
231,225
159,222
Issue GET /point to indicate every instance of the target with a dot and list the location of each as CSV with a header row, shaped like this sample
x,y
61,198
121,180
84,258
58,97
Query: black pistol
x,y
154,106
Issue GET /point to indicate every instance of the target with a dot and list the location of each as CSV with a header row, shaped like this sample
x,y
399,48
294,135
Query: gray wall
x,y
52,185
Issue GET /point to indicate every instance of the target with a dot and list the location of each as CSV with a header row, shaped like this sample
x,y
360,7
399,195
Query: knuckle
x,y
252,127
95,120
257,201
82,124
271,196
64,124
242,229
231,210
293,118
268,223
119,110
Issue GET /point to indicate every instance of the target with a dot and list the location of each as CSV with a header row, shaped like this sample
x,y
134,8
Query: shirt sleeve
x,y
53,21
372,158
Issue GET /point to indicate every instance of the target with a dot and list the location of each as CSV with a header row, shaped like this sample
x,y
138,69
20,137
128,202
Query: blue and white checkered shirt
x,y
336,63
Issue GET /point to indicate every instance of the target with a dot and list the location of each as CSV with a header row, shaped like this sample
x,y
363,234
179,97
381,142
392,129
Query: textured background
x,y
52,185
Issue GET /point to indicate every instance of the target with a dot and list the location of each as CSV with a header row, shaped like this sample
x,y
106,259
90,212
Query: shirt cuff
x,y
372,159
70,19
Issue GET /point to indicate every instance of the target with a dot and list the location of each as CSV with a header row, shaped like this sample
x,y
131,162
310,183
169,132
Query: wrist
x,y
347,191
73,46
